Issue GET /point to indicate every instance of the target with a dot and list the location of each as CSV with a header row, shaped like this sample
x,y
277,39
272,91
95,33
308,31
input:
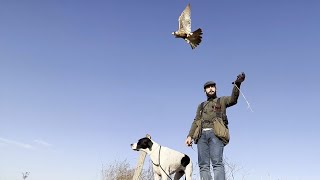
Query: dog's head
x,y
144,144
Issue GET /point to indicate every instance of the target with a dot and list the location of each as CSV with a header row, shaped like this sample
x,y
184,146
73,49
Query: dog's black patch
x,y
144,143
185,160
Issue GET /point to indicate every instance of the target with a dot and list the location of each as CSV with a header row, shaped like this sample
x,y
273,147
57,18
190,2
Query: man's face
x,y
210,90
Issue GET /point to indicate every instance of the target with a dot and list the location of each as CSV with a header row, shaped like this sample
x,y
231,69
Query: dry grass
x,y
121,170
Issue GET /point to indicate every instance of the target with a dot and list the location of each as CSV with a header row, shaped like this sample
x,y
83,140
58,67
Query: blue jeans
x,y
210,148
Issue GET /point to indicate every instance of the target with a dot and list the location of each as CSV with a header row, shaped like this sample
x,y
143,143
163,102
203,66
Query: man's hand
x,y
189,141
240,78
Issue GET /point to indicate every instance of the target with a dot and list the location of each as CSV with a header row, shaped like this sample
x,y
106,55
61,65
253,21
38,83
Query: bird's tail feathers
x,y
195,38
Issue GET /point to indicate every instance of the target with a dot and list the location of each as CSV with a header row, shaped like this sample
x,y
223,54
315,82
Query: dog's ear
x,y
148,136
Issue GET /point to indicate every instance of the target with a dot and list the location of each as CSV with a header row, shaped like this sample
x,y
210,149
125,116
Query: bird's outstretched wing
x,y
185,20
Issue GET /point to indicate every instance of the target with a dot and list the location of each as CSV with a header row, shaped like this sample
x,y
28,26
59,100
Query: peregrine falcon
x,y
184,31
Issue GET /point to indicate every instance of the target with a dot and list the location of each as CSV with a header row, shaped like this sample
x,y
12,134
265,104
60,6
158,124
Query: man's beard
x,y
211,96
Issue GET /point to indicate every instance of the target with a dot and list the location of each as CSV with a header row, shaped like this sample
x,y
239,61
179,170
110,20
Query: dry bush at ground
x,y
121,170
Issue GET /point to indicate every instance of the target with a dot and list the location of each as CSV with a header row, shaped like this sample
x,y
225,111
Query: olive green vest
x,y
210,110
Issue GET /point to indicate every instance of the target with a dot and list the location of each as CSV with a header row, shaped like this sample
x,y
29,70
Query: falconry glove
x,y
240,78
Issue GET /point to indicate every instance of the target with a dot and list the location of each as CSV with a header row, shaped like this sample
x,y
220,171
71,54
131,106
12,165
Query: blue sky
x,y
82,80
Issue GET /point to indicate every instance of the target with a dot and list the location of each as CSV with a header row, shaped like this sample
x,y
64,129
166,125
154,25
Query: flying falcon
x,y
184,31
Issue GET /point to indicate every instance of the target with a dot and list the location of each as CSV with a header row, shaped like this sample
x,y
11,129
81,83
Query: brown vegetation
x,y
122,171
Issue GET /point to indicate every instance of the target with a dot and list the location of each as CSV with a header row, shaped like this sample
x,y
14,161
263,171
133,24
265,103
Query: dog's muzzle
x,y
134,147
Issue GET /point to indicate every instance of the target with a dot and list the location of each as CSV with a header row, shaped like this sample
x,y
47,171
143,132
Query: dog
x,y
165,161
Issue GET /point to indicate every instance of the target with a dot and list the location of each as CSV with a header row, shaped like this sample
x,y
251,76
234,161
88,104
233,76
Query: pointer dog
x,y
165,161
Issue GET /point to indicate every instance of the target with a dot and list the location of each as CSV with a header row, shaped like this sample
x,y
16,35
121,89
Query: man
x,y
209,146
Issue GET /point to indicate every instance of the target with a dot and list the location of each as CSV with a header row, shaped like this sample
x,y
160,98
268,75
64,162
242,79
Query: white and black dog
x,y
165,161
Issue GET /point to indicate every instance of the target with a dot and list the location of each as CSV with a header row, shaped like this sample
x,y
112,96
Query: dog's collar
x,y
159,163
158,156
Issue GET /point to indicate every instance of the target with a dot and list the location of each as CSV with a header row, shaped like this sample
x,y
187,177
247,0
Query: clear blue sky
x,y
81,80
